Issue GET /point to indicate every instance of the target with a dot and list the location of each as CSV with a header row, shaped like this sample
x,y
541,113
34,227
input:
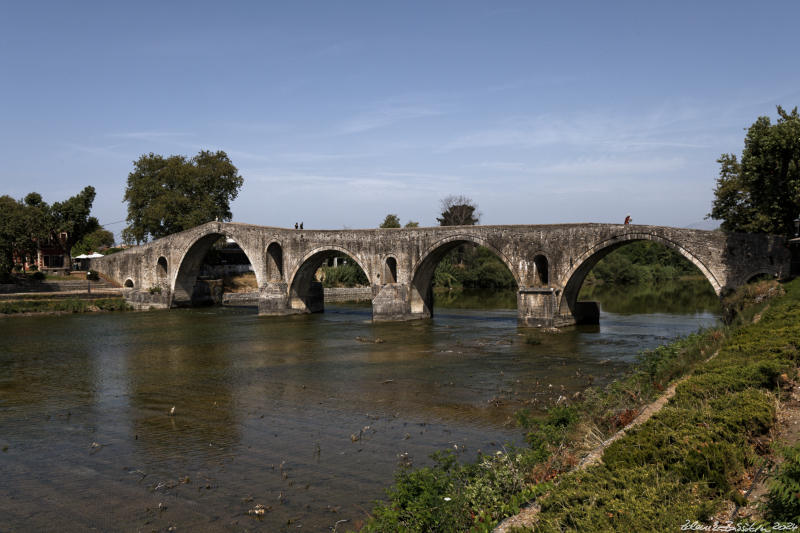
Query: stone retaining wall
x,y
348,294
54,286
339,294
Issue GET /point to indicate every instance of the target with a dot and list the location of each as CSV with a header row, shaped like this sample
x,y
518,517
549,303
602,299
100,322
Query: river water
x,y
306,415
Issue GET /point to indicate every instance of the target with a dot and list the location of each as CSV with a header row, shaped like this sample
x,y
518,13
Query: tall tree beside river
x,y
761,193
170,194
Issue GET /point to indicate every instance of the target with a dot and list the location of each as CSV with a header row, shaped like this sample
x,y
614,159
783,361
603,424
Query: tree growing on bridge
x,y
761,193
391,221
170,194
458,211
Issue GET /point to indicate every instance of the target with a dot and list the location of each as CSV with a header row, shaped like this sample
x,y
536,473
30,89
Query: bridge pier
x,y
145,300
536,307
392,303
273,299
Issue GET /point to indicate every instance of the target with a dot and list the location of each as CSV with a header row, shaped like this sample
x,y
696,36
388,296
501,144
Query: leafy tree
x,y
411,224
167,195
391,221
26,224
92,242
12,228
72,217
761,193
34,225
458,211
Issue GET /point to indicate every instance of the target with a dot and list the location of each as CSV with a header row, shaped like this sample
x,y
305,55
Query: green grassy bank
x,y
684,464
62,305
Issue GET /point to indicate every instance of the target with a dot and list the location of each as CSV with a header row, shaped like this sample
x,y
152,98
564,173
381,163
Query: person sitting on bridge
x,y
628,219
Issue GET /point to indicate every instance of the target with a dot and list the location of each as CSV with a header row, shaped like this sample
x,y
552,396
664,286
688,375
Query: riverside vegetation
x,y
687,462
67,305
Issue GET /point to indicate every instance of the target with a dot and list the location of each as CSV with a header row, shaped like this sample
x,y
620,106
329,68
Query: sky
x,y
338,113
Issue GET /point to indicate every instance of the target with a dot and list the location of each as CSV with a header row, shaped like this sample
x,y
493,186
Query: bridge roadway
x,y
548,262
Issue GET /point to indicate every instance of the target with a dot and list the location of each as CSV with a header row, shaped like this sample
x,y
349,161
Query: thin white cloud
x,y
378,183
420,176
607,167
149,135
110,150
383,117
659,129
301,157
604,166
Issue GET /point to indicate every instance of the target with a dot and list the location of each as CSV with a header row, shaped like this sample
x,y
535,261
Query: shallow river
x,y
306,415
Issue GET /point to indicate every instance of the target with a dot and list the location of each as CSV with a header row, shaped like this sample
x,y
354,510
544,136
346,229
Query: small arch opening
x,y
128,283
161,269
390,270
761,276
541,275
274,262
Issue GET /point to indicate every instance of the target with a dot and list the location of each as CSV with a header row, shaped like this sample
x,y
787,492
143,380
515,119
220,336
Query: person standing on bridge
x,y
295,225
301,225
628,219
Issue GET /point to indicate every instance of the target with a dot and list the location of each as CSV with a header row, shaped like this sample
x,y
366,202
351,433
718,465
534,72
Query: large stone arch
x,y
305,294
584,263
191,258
421,297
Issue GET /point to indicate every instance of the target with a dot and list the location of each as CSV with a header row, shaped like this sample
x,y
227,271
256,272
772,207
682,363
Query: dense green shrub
x,y
451,496
783,499
545,435
638,498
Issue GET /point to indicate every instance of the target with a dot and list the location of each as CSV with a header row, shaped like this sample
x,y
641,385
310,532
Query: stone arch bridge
x,y
548,262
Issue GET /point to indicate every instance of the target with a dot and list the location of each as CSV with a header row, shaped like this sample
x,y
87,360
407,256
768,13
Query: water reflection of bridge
x,y
548,262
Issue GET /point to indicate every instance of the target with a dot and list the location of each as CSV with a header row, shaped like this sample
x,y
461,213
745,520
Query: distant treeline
x,y
472,268
638,263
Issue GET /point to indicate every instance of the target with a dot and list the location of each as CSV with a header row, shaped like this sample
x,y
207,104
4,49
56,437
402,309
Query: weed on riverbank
x,y
679,465
70,305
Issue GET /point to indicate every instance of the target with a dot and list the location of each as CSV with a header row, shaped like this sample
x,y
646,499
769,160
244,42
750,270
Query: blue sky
x,y
337,113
